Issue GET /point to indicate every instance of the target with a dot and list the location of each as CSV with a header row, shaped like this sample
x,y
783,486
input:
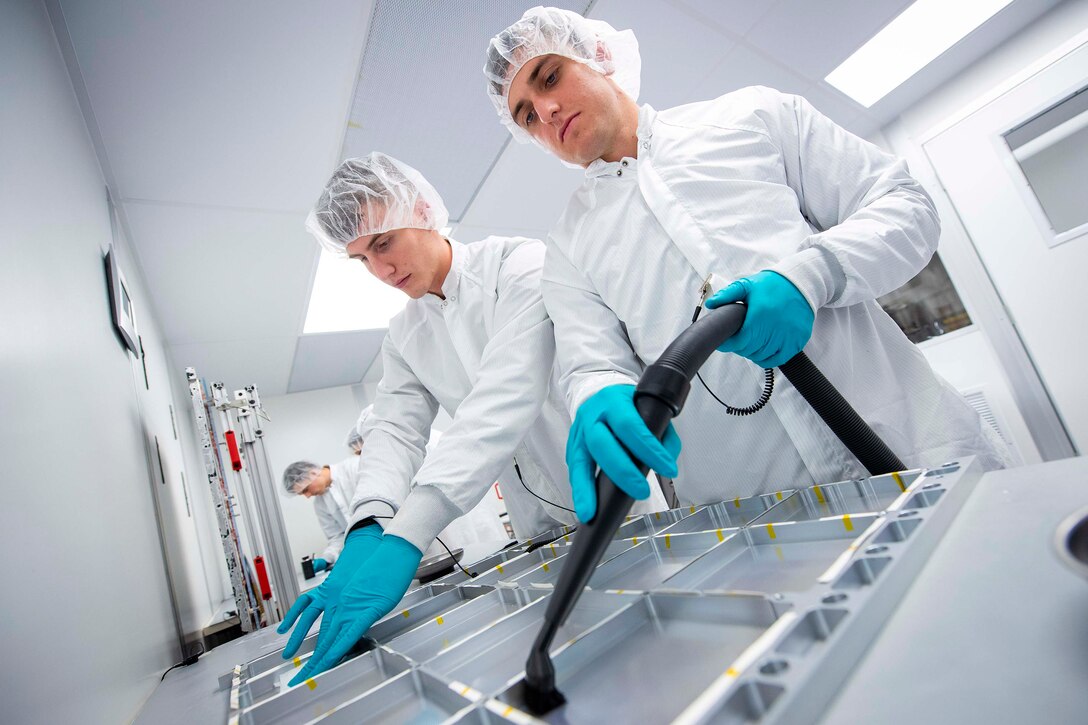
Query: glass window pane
x,y
928,305
1052,150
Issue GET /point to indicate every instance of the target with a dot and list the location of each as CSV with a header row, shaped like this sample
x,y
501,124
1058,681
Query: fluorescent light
x,y
347,297
907,44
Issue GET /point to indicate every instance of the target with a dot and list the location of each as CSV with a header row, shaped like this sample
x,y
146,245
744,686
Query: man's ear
x,y
604,53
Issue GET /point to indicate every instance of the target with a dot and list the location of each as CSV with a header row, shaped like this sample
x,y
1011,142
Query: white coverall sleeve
x,y
506,398
592,347
333,533
878,225
396,436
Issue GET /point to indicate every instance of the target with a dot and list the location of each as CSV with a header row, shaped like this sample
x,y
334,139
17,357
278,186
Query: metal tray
x,y
432,636
399,621
670,645
728,514
787,557
411,697
491,661
545,575
522,563
646,525
649,563
865,495
325,692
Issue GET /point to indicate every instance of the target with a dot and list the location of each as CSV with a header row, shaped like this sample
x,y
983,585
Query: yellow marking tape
x,y
509,709
693,509
405,614
566,538
499,567
770,531
311,684
618,591
553,549
634,539
466,690
847,523
545,567
667,544
899,480
352,124
819,494
297,661
719,533
439,620
731,672
778,495
657,515
736,502
778,553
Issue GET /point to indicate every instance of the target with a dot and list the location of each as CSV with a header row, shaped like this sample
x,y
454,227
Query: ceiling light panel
x,y
347,297
907,44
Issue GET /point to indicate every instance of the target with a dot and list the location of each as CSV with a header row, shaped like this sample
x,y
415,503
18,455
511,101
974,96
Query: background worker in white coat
x,y
474,339
331,488
810,224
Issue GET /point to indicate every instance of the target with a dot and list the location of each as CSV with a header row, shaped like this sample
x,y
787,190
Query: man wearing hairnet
x,y
756,197
475,340
331,488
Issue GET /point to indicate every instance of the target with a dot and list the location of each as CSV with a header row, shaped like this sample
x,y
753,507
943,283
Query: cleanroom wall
x,y
88,622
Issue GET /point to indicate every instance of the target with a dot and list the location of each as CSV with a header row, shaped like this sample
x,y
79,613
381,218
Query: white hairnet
x,y
373,195
298,474
544,31
355,435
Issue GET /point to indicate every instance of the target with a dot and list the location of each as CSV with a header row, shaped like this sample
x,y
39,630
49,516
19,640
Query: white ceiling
x,y
217,124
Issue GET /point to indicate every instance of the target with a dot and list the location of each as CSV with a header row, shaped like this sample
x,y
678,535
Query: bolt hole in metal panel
x,y
328,690
770,559
492,660
672,645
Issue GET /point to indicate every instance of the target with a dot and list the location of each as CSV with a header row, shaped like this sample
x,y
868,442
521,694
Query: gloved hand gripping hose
x,y
659,397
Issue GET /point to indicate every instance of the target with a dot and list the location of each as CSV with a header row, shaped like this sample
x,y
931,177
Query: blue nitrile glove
x,y
372,593
358,546
778,321
320,565
605,420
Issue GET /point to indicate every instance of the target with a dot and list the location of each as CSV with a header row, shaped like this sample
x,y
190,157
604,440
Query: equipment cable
x,y
764,398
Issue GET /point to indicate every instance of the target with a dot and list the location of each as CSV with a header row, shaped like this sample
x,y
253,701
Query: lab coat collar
x,y
453,278
646,117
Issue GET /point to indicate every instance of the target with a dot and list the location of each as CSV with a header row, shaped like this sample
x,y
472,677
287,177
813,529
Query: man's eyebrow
x,y
532,78
375,240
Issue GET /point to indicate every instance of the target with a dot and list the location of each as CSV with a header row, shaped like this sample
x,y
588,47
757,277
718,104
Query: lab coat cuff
x,y
816,273
591,387
424,514
380,509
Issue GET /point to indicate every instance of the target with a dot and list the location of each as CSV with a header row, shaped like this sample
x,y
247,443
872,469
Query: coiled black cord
x,y
764,398
468,573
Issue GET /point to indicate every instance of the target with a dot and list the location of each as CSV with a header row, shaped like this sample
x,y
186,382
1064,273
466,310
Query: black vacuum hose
x,y
659,397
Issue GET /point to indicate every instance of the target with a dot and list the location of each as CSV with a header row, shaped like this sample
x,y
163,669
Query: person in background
x,y
473,339
331,488
752,197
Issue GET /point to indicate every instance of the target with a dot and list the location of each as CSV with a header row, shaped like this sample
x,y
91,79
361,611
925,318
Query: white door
x,y
1017,172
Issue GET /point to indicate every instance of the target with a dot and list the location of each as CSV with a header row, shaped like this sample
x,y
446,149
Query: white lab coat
x,y
486,355
755,180
333,508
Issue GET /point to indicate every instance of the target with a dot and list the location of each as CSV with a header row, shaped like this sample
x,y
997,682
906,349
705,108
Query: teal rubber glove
x,y
778,322
320,565
374,590
358,547
605,423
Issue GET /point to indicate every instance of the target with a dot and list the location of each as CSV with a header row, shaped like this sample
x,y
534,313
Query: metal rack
x,y
752,609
